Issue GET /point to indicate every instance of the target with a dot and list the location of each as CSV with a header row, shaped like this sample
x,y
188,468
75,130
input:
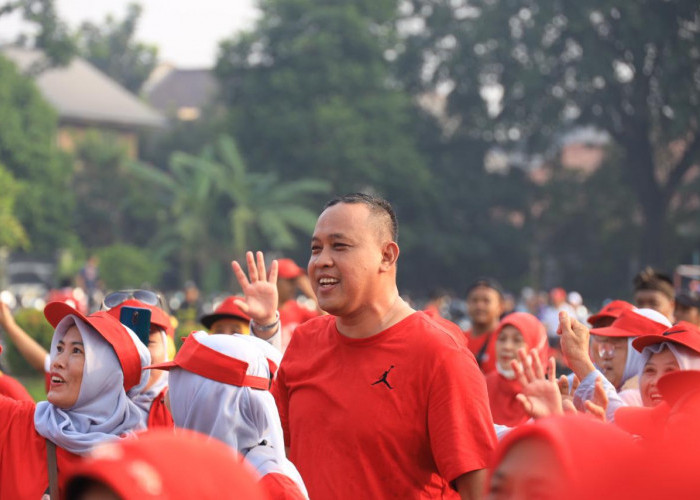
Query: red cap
x,y
227,309
557,293
152,466
611,310
111,330
682,333
288,269
158,317
197,358
630,324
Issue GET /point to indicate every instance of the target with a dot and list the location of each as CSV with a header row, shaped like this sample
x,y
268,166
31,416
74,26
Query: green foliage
x,y
34,323
111,47
126,266
28,150
12,234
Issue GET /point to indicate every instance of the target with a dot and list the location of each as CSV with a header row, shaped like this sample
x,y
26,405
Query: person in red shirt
x,y
484,307
292,279
93,363
152,466
516,331
377,400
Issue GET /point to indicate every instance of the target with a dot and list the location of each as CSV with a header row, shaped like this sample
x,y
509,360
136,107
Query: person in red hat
x,y
94,361
376,399
149,397
292,279
162,465
228,318
219,385
515,331
616,363
12,388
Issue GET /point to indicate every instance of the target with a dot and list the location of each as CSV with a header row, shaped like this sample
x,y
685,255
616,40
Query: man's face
x,y
687,313
653,299
346,257
610,355
484,306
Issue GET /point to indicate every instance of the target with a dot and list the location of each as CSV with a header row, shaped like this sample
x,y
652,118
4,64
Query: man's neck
x,y
481,329
377,318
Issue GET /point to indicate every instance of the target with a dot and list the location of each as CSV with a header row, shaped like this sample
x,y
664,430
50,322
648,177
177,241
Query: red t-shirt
x,y
293,314
400,414
13,389
23,464
159,415
487,359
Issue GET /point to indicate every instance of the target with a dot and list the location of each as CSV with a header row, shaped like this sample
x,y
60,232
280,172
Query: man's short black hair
x,y
486,282
376,205
651,279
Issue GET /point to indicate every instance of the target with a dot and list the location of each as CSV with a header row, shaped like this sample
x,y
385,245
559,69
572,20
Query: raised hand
x,y
260,291
574,345
599,404
540,394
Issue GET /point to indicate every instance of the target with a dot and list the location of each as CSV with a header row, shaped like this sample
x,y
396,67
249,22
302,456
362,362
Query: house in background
x,y
85,98
181,94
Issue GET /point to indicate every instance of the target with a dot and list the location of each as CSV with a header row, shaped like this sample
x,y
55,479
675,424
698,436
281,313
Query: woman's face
x,y
67,370
610,355
659,364
157,350
529,469
508,342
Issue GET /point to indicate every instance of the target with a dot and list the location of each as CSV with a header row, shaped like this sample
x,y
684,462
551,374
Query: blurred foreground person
x,y
94,361
378,400
219,386
161,464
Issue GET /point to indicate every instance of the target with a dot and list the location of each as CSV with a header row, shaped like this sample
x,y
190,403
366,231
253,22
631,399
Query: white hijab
x,y
143,398
244,418
102,412
635,361
687,358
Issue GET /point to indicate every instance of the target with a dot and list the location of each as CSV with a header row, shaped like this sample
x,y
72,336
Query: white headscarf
x,y
244,418
687,358
102,411
143,398
635,361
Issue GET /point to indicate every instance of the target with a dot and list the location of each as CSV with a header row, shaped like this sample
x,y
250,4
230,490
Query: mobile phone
x,y
139,320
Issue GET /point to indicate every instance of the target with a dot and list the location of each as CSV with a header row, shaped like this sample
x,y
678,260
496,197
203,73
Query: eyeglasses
x,y
607,347
119,297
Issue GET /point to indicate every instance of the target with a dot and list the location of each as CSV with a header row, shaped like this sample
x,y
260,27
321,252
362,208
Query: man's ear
x,y
390,254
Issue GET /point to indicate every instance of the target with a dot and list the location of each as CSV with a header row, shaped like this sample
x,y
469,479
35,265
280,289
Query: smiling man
x,y
378,400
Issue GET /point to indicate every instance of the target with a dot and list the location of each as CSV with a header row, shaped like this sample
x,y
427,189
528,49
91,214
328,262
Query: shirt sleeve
x,y
584,393
460,425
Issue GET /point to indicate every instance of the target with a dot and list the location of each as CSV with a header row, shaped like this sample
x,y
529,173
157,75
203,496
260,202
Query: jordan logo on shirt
x,y
383,380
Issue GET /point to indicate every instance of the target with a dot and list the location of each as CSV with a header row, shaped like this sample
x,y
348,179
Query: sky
x,y
187,32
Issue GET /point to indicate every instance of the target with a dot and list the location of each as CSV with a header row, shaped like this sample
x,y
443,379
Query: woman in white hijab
x,y
219,385
93,363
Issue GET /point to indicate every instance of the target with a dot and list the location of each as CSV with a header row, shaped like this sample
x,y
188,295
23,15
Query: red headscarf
x,y
507,410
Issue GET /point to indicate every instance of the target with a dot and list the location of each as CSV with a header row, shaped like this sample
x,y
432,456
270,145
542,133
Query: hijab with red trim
x,y
501,384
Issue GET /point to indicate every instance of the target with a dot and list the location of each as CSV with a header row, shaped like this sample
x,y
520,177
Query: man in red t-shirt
x,y
484,307
378,400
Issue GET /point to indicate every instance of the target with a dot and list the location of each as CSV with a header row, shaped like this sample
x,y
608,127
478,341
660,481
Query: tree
x,y
311,93
111,48
220,209
561,63
44,203
12,234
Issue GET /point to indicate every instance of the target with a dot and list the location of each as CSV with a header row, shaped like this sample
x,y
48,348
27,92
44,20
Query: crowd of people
x,y
360,395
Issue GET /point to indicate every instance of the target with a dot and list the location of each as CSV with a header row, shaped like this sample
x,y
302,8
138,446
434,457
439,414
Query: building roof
x,y
182,88
80,92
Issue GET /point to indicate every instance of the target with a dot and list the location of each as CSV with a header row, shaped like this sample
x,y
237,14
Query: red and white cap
x,y
111,330
634,323
610,310
682,333
227,309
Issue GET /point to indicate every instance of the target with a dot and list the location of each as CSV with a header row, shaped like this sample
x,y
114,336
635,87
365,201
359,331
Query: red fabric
x,y
280,487
293,314
611,310
23,467
166,465
455,331
506,410
682,333
400,414
11,388
487,363
159,415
